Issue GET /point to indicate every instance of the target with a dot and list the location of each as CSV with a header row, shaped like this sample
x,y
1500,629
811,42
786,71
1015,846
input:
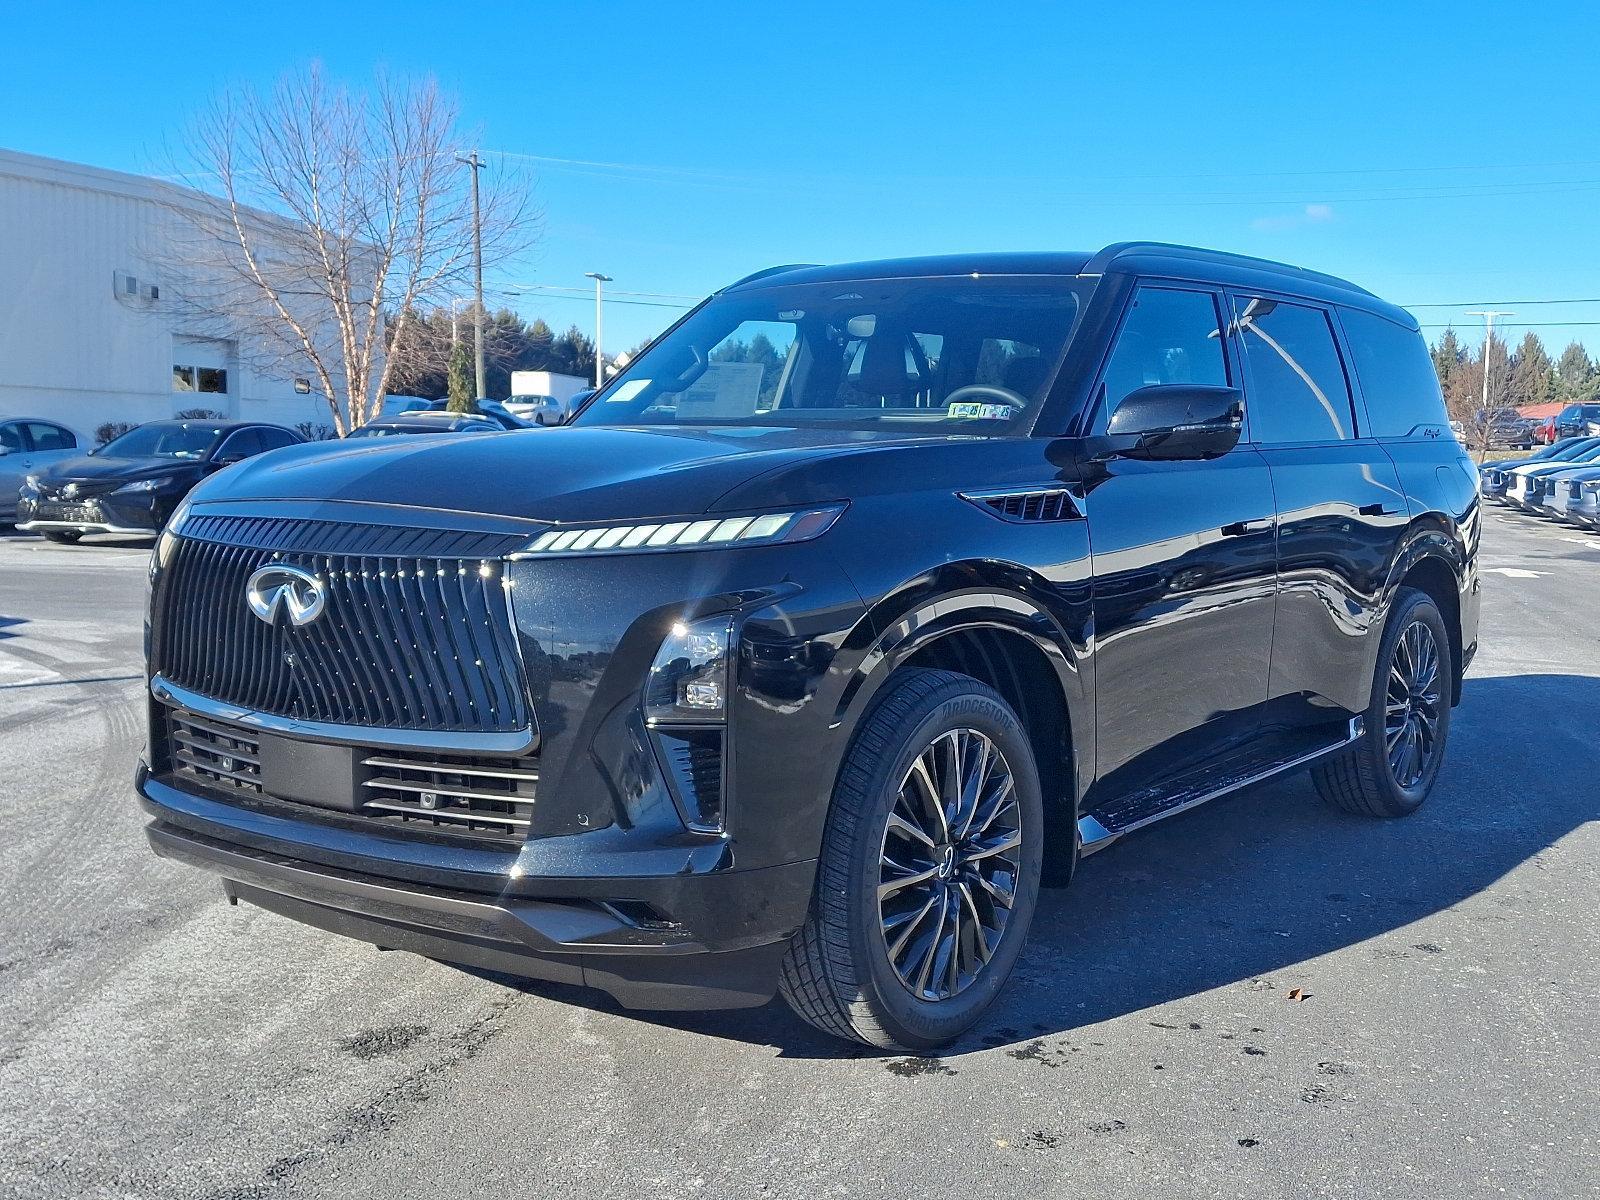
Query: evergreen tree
x,y
1575,374
1532,374
462,378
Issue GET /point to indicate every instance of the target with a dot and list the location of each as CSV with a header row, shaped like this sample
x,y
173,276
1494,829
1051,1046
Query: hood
x,y
98,468
569,474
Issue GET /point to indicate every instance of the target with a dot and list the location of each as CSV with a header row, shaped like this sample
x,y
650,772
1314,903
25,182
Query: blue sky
x,y
1432,152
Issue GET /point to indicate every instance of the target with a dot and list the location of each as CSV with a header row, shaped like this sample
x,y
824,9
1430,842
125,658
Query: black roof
x,y
1152,258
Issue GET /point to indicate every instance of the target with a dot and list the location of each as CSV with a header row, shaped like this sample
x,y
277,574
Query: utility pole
x,y
599,315
477,165
1488,340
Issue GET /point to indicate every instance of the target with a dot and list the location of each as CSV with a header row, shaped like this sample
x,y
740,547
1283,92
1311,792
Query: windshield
x,y
164,439
919,356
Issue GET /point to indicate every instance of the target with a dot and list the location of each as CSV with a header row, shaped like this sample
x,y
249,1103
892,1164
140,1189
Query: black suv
x,y
865,600
1578,420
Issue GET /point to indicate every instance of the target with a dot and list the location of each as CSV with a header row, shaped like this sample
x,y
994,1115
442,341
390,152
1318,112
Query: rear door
x,y
1341,511
1184,564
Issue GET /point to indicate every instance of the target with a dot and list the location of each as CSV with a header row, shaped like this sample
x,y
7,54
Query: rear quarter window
x,y
1396,373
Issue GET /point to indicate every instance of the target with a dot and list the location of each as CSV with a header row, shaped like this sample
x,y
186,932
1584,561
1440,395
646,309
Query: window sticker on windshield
x,y
982,412
627,391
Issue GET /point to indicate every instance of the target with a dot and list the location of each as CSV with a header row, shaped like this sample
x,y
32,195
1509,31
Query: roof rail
x,y
1103,260
762,274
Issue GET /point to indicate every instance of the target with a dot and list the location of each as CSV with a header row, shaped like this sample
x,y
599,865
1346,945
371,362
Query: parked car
x,y
492,410
1525,486
426,422
1496,476
803,675
1578,420
1502,428
28,445
1561,493
538,410
1544,432
133,483
1585,507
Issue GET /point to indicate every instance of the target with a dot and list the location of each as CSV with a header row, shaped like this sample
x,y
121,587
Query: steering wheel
x,y
990,391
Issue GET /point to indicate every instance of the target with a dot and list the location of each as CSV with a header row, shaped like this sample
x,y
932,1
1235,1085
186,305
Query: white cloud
x,y
1311,214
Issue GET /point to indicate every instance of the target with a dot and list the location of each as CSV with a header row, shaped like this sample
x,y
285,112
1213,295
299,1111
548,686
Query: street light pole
x,y
599,316
1488,340
477,165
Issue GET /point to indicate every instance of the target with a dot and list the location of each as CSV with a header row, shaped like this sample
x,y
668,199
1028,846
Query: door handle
x,y
1377,510
1244,528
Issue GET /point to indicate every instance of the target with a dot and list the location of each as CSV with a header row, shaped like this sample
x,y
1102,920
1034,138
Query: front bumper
x,y
702,938
141,514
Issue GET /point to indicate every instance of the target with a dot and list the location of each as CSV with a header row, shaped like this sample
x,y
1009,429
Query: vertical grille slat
x,y
425,651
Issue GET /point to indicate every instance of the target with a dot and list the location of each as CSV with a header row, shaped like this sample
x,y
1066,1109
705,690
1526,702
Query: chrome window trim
x,y
511,742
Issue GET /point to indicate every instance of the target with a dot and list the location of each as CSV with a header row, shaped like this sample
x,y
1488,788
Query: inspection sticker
x,y
982,412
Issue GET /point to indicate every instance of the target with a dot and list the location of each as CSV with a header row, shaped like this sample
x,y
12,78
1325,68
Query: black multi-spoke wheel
x,y
930,868
952,849
1389,771
1411,709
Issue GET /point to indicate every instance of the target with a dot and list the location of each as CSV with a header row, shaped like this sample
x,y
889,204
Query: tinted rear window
x,y
1397,376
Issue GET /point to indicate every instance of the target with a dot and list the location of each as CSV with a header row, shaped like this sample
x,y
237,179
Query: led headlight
x,y
145,485
689,679
758,529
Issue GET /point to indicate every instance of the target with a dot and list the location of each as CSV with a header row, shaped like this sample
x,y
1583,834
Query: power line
x,y
1489,303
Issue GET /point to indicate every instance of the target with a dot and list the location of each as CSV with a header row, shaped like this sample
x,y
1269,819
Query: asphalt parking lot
x,y
154,1042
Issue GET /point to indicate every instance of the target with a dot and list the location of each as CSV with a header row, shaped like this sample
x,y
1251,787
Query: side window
x,y
241,443
1397,376
50,437
1169,336
275,439
11,437
1298,391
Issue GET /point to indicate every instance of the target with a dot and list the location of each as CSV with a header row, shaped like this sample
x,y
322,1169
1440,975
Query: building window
x,y
200,379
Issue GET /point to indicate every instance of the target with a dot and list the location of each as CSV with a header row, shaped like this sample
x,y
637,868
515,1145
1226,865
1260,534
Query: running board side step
x,y
1094,835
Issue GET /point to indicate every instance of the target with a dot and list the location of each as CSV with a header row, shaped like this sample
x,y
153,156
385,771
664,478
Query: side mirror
x,y
1176,421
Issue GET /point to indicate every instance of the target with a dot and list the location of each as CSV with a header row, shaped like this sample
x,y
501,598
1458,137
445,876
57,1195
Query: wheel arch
x,y
1008,637
1431,560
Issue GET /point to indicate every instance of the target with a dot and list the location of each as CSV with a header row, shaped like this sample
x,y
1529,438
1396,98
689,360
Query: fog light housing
x,y
691,675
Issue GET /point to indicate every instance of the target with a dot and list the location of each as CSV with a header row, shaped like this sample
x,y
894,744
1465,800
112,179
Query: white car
x,y
541,410
27,446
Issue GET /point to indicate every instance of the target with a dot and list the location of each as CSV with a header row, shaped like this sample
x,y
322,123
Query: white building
x,y
90,331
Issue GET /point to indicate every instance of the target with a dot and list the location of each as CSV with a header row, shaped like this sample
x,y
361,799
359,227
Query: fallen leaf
x,y
1297,994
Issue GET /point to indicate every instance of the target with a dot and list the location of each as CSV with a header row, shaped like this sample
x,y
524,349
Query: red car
x,y
1545,431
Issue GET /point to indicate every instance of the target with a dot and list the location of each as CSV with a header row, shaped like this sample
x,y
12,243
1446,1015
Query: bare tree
x,y
331,217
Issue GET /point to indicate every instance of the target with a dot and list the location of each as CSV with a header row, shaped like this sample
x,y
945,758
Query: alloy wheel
x,y
1412,706
950,863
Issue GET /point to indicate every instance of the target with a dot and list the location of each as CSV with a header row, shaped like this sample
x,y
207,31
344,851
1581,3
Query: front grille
x,y
1575,490
409,792
454,792
56,510
216,754
405,641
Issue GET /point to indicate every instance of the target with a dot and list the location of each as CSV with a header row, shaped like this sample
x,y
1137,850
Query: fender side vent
x,y
1045,504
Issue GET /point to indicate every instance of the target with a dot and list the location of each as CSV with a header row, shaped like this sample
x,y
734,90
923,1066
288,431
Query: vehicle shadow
x,y
1249,885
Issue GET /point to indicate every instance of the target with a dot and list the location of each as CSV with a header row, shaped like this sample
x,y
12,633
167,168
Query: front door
x,y
1184,566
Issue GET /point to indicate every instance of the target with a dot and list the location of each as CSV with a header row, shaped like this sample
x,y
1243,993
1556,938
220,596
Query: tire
x,y
837,973
1365,779
63,537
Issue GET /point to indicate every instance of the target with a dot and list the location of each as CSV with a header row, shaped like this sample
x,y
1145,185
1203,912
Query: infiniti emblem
x,y
299,593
